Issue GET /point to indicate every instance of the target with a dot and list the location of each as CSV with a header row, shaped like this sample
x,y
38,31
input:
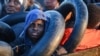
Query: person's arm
x,y
18,41
18,46
68,16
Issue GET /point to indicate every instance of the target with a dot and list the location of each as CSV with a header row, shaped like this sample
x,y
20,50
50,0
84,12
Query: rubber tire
x,y
81,21
6,33
14,21
15,18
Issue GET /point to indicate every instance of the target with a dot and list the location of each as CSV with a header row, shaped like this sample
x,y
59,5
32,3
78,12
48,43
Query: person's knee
x,y
5,49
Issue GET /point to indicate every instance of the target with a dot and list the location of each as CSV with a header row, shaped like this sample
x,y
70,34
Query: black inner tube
x,y
6,33
15,21
15,18
81,20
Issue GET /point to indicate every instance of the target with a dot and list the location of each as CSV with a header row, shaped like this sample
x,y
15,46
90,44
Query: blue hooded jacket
x,y
23,39
31,17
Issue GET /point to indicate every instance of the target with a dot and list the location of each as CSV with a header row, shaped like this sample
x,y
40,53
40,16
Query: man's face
x,y
50,4
36,30
13,6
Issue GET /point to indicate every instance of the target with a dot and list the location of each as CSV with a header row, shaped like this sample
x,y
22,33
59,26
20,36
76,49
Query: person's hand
x,y
97,26
61,51
19,49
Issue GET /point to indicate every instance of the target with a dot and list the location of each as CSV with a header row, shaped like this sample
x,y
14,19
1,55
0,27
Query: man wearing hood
x,y
33,31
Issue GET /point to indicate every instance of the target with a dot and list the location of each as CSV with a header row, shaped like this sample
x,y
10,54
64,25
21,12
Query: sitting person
x,y
13,6
32,33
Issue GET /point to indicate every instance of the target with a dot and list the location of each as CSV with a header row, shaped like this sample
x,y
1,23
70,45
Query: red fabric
x,y
66,35
90,39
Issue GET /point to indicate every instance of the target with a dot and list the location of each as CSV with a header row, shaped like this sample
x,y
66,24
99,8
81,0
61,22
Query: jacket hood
x,y
32,16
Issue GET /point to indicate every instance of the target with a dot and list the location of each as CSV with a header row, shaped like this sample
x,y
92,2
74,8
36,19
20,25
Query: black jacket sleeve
x,y
17,42
18,46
